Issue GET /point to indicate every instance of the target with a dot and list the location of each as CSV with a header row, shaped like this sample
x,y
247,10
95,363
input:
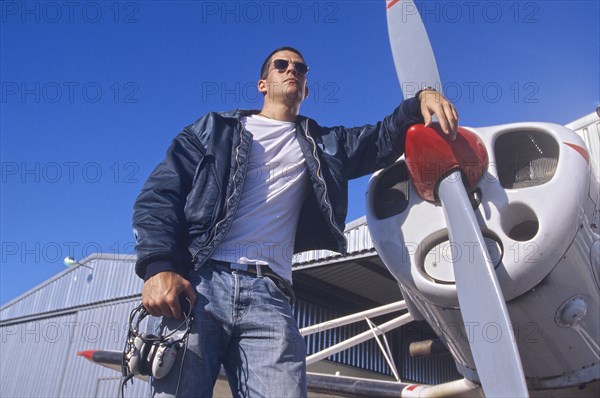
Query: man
x,y
219,219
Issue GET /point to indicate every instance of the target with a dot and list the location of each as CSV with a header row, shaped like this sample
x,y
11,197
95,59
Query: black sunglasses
x,y
282,64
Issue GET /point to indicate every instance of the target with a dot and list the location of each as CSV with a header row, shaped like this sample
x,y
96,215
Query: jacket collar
x,y
239,113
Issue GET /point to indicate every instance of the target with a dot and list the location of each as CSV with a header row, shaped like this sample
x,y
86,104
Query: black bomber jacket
x,y
189,201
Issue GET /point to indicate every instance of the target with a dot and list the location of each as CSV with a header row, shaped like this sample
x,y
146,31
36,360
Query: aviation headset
x,y
150,355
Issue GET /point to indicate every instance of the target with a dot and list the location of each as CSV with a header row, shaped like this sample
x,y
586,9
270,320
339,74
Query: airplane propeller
x,y
480,298
413,55
440,169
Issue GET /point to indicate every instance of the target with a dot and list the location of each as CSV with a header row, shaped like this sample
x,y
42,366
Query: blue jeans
x,y
244,322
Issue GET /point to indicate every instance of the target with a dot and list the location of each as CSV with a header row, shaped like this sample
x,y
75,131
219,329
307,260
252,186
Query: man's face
x,y
284,84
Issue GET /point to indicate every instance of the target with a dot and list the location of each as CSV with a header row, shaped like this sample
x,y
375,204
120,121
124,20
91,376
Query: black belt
x,y
259,270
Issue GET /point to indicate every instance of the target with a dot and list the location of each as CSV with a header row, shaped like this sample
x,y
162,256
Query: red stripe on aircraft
x,y
88,354
412,387
580,150
391,4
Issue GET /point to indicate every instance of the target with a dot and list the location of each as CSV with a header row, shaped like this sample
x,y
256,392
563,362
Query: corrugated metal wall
x,y
79,309
105,327
39,354
368,356
107,278
33,353
588,127
358,238
591,136
365,356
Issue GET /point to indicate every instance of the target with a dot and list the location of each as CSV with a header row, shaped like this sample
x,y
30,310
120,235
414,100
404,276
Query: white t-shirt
x,y
264,228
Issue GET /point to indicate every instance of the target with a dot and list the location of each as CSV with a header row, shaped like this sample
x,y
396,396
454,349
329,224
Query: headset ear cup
x,y
164,359
136,355
148,352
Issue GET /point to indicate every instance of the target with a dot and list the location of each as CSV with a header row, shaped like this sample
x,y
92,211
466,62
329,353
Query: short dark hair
x,y
265,65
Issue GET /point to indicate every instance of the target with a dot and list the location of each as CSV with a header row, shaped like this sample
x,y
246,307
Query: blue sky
x,y
93,92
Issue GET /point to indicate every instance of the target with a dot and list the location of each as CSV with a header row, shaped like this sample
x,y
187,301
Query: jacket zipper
x,y
227,203
325,194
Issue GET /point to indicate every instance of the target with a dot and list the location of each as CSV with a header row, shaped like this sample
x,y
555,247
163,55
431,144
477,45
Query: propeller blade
x,y
481,301
480,298
411,49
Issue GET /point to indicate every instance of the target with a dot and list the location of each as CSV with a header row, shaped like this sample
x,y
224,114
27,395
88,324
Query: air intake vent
x,y
525,158
391,192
